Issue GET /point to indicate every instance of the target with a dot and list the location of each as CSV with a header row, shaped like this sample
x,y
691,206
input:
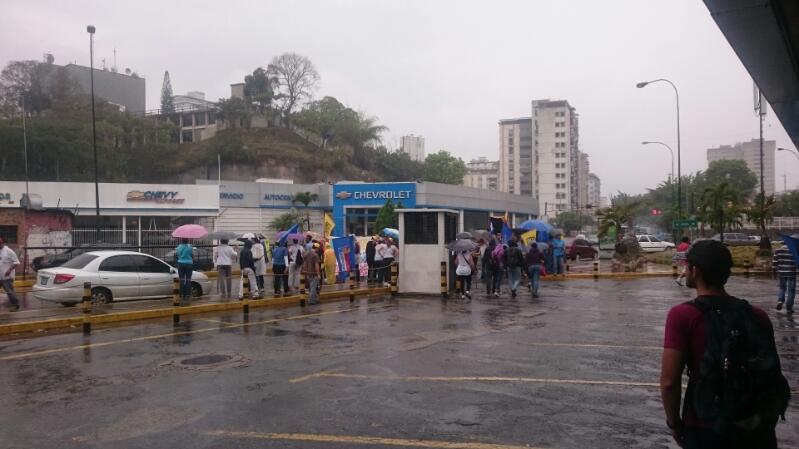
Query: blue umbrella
x,y
542,229
792,242
390,232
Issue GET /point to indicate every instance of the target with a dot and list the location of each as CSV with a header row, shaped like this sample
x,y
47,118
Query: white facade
x,y
516,156
482,174
557,174
583,179
413,146
594,191
749,152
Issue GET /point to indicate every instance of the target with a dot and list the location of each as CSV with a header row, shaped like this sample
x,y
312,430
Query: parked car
x,y
56,260
114,276
203,258
652,244
736,239
581,249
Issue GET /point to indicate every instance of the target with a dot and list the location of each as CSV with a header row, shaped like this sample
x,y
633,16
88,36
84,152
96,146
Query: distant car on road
x,y
203,258
114,276
736,239
652,244
56,260
581,249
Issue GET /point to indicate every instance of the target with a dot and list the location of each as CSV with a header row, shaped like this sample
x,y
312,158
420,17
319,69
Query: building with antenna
x,y
126,91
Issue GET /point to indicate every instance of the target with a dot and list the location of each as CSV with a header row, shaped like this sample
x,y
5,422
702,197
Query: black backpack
x,y
741,386
298,257
515,258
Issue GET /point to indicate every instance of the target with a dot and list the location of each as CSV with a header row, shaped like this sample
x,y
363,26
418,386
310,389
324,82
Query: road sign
x,y
684,224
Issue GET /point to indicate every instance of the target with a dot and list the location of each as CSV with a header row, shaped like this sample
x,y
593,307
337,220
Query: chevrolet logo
x,y
343,195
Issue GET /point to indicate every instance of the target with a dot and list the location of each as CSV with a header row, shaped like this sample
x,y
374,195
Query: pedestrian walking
x,y
487,266
185,258
497,268
8,266
784,266
679,257
370,259
380,251
514,261
534,260
295,264
733,400
247,264
310,266
224,256
259,256
390,254
280,261
558,253
464,263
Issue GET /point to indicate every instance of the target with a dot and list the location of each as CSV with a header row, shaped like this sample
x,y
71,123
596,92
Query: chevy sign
x,y
155,196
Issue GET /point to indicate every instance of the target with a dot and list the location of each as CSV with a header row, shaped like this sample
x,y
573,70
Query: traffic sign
x,y
684,224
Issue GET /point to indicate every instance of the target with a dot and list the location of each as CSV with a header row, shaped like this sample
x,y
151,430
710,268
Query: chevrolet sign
x,y
343,195
155,196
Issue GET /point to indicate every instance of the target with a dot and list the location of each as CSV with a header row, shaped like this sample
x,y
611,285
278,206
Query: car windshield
x,y
80,261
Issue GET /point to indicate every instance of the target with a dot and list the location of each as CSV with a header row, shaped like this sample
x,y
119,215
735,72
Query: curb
x,y
75,321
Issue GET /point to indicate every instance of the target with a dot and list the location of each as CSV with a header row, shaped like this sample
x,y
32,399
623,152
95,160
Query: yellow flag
x,y
329,224
529,237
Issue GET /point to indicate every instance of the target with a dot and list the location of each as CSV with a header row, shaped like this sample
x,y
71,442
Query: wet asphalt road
x,y
573,369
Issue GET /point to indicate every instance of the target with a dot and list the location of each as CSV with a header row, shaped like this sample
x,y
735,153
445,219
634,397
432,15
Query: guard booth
x,y
424,235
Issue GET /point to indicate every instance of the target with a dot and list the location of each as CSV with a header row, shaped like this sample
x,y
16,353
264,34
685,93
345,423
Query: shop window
x,y
9,234
421,228
450,227
474,220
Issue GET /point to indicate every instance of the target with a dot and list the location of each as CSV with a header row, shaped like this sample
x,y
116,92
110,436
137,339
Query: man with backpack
x,y
514,260
736,391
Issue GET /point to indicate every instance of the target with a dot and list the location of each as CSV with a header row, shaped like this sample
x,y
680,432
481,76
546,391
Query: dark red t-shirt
x,y
685,332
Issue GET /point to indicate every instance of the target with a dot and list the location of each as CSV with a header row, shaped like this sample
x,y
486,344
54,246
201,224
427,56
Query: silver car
x,y
114,276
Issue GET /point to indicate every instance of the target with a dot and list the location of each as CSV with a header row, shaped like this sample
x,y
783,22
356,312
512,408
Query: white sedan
x,y
114,276
652,244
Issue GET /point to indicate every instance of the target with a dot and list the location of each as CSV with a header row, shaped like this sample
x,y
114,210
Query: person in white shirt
x,y
380,254
259,255
389,257
294,266
224,256
8,265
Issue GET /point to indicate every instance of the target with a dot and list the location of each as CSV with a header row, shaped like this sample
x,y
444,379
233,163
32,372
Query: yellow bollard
x,y
444,279
302,288
86,304
352,285
245,297
394,277
175,300
596,269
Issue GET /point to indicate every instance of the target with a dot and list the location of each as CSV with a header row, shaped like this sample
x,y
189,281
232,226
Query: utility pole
x,y
90,29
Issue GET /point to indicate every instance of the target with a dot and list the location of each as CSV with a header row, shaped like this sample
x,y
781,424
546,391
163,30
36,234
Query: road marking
x,y
596,345
476,379
177,334
354,439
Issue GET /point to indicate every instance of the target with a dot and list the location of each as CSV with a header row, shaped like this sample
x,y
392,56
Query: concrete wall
x,y
37,228
436,195
117,88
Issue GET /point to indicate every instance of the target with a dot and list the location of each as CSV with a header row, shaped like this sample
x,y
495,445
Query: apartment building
x,y
413,146
594,191
482,173
749,152
516,156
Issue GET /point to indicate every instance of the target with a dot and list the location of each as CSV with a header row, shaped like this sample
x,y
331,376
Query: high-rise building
x,y
583,174
482,174
516,156
749,152
594,191
413,146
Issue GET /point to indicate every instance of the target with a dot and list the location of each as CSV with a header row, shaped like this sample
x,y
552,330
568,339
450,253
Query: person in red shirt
x,y
708,267
679,257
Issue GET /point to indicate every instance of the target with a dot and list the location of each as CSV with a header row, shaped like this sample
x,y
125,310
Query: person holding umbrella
x,y
464,268
247,263
184,256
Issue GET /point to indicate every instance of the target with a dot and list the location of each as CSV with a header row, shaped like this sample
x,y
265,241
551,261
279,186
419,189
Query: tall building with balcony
x,y
516,156
482,174
594,191
749,152
413,146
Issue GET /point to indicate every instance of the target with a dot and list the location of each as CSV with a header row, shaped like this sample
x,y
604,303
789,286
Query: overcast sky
x,y
445,70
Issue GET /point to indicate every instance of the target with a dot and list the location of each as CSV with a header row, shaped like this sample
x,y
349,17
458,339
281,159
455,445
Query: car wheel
x,y
196,290
68,304
101,296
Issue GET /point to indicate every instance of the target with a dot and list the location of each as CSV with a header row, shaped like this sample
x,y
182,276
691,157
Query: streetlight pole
x,y
25,148
795,154
671,180
90,29
679,165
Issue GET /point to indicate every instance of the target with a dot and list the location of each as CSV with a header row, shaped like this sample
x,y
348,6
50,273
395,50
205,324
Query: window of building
x,y
187,136
421,228
9,234
361,221
199,119
211,117
186,120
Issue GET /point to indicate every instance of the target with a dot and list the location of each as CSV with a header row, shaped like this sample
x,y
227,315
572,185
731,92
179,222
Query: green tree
x,y
296,79
571,221
234,111
167,98
734,172
787,205
305,198
761,211
386,217
621,214
285,221
444,168
259,89
720,207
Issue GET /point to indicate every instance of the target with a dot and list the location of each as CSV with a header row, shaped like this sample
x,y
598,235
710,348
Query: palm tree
x,y
761,211
305,198
720,207
369,132
618,215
